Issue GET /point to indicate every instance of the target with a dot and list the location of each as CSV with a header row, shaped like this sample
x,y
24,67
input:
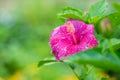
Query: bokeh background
x,y
25,27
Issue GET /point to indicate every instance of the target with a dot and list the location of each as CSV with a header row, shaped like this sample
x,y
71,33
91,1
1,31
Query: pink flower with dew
x,y
72,37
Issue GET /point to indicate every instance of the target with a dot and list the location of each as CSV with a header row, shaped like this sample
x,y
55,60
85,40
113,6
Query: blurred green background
x,y
25,27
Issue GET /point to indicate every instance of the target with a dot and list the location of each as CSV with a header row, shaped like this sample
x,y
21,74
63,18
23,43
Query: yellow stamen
x,y
70,28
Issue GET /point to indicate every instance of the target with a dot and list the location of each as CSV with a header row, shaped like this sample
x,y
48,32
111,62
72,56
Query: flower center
x,y
70,28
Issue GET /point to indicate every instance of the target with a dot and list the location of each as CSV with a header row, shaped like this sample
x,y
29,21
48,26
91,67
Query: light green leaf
x,y
95,58
114,42
116,32
46,61
115,21
116,6
70,12
97,11
114,18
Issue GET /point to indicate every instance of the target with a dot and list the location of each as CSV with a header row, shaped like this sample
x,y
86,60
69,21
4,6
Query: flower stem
x,y
72,68
112,51
74,71
85,72
76,74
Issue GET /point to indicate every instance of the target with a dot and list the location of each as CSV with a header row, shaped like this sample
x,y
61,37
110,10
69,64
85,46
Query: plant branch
x,y
112,51
72,68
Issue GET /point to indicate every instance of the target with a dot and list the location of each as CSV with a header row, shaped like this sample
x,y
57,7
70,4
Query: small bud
x,y
106,28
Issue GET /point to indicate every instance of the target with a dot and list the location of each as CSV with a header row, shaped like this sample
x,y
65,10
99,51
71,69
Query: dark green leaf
x,y
70,12
116,32
105,79
95,58
97,11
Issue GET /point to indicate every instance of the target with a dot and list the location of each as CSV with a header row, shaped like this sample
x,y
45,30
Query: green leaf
x,y
95,58
116,32
70,12
97,11
114,18
115,44
115,21
116,6
46,61
105,79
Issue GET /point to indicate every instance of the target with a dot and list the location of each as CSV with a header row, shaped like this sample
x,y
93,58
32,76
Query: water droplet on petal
x,y
87,47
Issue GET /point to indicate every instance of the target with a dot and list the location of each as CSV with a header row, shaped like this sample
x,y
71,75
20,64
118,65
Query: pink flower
x,y
72,37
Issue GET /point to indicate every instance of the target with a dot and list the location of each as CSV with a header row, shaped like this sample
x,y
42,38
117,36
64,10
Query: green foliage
x,y
114,19
115,44
97,11
70,12
25,28
106,56
116,6
95,58
43,62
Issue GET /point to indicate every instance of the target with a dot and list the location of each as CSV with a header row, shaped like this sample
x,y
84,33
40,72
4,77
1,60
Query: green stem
x,y
71,67
112,51
85,72
74,72
90,70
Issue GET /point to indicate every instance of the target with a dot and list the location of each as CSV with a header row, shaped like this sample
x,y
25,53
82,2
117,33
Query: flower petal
x,y
62,41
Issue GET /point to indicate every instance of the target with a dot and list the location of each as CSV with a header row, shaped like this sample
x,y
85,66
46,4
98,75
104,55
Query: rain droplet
x,y
87,47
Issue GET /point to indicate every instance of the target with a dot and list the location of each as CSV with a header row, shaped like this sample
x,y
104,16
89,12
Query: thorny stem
x,y
112,51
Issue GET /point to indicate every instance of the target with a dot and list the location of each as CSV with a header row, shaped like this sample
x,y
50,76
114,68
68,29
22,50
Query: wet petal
x,y
62,40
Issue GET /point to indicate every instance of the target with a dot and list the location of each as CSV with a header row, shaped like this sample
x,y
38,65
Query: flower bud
x,y
106,28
